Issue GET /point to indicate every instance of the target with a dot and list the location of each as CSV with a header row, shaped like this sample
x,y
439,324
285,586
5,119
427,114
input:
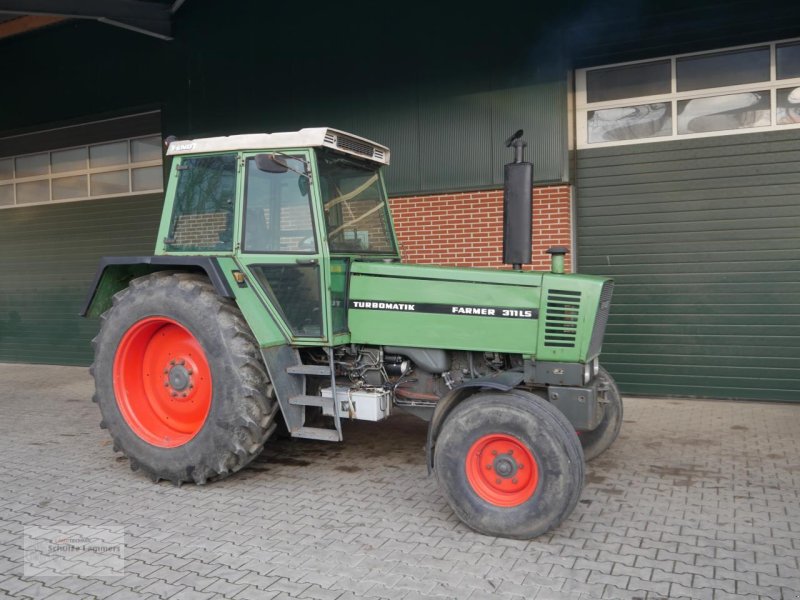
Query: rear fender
x,y
115,272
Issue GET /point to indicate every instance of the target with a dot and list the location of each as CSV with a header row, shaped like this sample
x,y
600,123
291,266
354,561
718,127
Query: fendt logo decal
x,y
502,312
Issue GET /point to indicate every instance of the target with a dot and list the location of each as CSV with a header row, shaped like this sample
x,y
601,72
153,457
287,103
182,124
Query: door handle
x,y
306,261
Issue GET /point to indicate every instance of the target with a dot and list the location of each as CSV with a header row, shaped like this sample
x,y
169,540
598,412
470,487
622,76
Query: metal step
x,y
317,433
323,370
320,401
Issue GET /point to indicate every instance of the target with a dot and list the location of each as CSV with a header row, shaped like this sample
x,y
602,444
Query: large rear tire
x,y
180,381
509,464
598,440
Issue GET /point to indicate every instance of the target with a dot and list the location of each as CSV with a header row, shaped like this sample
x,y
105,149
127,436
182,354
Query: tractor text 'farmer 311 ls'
x,y
276,293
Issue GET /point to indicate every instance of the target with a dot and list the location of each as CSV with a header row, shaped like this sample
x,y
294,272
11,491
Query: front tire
x,y
509,464
599,439
179,380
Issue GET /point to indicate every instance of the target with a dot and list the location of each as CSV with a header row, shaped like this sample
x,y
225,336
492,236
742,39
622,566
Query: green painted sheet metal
x,y
701,239
48,258
416,284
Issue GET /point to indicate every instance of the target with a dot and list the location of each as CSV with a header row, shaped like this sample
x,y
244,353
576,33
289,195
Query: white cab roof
x,y
305,138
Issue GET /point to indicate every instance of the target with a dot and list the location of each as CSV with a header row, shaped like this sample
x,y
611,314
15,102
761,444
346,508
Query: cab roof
x,y
305,138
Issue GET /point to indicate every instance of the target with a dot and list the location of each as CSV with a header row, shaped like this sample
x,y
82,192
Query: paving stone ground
x,y
697,499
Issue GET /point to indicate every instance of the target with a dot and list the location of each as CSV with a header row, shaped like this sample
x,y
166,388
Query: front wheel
x,y
509,464
599,439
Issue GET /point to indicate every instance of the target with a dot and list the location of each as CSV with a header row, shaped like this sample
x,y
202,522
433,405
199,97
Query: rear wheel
x,y
598,440
179,380
509,464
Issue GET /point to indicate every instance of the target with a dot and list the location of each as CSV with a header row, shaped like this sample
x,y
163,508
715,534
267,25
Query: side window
x,y
295,290
277,213
202,219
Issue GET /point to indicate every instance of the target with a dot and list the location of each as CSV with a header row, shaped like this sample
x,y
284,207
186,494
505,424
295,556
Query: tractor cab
x,y
292,211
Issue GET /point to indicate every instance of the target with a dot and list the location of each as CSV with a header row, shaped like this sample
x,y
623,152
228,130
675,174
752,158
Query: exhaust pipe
x,y
517,206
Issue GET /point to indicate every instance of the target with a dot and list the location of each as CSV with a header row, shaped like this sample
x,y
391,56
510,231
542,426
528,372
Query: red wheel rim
x,y
502,470
162,382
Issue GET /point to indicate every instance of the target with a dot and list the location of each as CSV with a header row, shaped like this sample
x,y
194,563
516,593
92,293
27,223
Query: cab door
x,y
279,249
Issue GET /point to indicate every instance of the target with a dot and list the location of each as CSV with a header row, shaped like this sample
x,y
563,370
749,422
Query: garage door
x,y
703,239
67,197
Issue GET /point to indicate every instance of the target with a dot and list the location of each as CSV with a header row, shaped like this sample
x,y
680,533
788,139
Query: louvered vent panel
x,y
602,318
561,320
330,138
346,143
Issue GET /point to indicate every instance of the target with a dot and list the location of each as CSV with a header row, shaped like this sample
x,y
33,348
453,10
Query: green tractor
x,y
276,297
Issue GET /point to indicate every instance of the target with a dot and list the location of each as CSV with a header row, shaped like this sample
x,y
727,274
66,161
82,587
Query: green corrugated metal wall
x,y
48,255
702,239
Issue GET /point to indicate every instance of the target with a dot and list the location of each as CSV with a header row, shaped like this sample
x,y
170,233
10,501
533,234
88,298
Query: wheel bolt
x,y
181,362
514,480
166,384
174,394
489,467
166,371
510,452
189,371
494,452
497,481
172,362
520,466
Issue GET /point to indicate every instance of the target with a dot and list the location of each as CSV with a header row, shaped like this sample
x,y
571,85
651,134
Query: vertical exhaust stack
x,y
517,206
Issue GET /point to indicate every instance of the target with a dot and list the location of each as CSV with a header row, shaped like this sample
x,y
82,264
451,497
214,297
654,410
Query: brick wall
x,y
465,229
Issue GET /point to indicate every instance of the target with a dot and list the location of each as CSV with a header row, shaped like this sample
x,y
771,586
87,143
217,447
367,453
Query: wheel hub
x,y
502,470
179,378
505,465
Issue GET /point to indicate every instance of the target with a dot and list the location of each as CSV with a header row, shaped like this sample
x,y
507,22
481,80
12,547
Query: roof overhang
x,y
305,138
152,18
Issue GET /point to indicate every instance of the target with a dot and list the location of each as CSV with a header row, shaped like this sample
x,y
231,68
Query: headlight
x,y
587,373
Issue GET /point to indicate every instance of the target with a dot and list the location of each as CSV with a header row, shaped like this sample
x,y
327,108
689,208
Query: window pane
x,y
6,169
788,106
295,290
30,166
69,160
203,214
109,155
115,182
147,178
146,149
630,81
33,191
356,207
278,211
629,122
6,195
720,113
65,188
788,58
723,68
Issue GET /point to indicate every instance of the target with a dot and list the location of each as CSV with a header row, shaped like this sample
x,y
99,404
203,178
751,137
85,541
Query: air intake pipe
x,y
517,206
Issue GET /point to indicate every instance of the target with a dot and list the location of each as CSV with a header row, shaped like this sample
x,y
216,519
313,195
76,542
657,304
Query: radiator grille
x,y
561,320
601,319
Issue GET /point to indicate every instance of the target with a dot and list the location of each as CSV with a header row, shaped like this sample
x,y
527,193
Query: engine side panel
x,y
438,307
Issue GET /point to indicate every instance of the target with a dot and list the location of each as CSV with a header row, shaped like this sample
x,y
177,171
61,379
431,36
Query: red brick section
x,y
465,229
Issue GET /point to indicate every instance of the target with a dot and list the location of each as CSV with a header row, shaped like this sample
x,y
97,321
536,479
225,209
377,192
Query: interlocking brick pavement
x,y
697,499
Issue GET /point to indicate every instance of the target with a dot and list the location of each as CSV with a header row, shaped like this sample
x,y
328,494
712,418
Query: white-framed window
x,y
120,167
745,89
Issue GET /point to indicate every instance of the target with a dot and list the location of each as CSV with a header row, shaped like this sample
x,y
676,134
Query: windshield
x,y
356,210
